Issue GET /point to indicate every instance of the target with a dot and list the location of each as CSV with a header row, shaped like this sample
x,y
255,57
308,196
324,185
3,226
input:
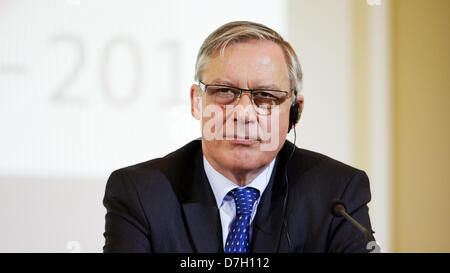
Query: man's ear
x,y
195,102
301,102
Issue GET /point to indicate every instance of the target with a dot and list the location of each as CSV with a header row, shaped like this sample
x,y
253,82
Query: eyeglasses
x,y
228,95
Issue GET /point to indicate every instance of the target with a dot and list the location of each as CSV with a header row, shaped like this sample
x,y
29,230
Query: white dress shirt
x,y
221,186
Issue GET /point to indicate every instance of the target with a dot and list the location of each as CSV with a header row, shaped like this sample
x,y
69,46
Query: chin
x,y
240,157
244,163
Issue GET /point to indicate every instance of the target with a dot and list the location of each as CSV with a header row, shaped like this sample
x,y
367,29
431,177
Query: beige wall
x,y
344,49
421,125
371,108
399,101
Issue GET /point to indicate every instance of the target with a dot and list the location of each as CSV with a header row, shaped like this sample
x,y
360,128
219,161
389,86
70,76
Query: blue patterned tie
x,y
238,236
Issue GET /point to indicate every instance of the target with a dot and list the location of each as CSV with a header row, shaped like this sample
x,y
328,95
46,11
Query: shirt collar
x,y
221,185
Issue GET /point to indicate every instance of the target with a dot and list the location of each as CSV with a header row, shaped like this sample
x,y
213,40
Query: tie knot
x,y
245,199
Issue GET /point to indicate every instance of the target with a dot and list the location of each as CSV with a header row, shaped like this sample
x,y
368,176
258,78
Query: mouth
x,y
241,140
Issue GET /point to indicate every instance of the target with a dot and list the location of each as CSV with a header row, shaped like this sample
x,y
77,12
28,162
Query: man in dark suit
x,y
242,187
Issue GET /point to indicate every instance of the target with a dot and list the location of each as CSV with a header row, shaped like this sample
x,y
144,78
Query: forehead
x,y
248,63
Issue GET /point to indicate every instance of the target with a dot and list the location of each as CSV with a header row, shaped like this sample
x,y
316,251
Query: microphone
x,y
338,210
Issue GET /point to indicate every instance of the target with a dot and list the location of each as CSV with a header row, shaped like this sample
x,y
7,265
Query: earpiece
x,y
294,114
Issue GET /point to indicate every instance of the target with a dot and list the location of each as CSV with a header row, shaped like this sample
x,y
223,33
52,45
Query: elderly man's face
x,y
247,65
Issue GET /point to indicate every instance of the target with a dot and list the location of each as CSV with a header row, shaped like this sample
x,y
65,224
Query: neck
x,y
238,176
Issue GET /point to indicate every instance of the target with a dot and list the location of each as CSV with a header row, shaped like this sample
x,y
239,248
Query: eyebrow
x,y
263,86
224,82
269,86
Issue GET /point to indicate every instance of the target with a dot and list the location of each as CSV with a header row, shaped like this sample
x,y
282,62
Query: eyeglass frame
x,y
204,86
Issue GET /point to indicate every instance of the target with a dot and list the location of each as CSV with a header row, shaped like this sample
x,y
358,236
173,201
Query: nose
x,y
245,99
244,111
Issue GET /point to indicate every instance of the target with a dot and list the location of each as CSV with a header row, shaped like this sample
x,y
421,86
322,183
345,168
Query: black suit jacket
x,y
167,205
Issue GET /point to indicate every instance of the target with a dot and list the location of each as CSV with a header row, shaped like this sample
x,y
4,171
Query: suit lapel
x,y
268,223
200,210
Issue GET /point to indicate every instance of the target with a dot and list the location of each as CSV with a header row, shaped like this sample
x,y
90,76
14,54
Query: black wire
x,y
287,191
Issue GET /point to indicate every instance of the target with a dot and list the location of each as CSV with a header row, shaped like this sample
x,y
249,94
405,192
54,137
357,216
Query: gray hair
x,y
239,31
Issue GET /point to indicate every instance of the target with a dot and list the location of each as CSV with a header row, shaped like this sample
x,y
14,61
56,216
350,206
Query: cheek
x,y
212,120
275,124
